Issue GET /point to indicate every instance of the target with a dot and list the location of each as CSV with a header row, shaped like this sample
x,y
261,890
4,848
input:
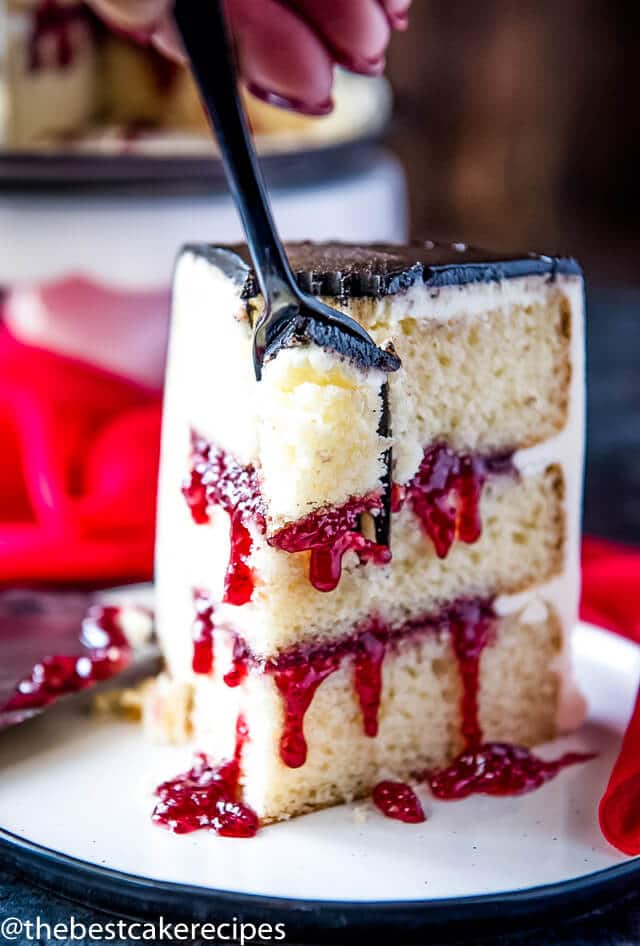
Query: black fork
x,y
287,309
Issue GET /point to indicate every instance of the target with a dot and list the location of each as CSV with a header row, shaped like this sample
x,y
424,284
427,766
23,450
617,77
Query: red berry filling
x,y
208,796
105,651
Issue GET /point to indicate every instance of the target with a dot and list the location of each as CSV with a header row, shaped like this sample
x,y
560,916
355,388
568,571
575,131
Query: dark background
x,y
518,124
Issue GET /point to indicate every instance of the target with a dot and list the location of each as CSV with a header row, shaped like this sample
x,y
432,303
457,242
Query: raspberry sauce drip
x,y
445,494
218,479
54,22
367,678
470,624
202,634
299,672
195,494
329,534
106,651
239,663
497,768
298,677
491,768
399,801
208,796
204,629
239,581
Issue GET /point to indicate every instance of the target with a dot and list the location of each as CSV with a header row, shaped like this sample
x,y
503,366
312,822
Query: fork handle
x,y
203,29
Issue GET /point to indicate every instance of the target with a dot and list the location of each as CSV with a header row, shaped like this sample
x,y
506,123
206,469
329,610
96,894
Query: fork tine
x,y
383,519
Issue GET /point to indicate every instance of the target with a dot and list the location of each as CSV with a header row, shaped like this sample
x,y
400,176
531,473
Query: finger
x,y
167,40
356,31
397,12
138,16
281,57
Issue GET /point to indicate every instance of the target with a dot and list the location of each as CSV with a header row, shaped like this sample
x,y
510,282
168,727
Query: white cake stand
x,y
130,242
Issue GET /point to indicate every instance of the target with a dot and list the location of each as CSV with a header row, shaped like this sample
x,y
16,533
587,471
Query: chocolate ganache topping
x,y
344,270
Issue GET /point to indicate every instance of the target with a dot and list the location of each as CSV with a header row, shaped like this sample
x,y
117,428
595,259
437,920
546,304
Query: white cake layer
x,y
419,717
311,401
305,415
521,544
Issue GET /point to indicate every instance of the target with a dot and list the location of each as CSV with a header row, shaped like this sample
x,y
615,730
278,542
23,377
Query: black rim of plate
x,y
132,896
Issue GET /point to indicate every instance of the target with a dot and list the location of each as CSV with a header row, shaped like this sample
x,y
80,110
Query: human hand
x,y
286,51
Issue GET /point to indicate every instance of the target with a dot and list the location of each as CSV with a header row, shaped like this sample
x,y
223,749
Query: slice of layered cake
x,y
323,656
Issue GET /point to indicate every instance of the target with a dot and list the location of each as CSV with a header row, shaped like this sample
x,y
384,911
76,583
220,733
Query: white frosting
x,y
209,368
211,380
471,300
567,450
532,606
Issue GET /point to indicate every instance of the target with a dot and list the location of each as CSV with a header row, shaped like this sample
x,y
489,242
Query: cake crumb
x,y
127,703
167,709
360,814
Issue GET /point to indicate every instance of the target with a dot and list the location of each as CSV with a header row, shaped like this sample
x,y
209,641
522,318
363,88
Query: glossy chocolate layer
x,y
302,330
344,270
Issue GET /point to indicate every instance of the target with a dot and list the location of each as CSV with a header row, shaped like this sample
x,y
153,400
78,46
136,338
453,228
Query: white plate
x,y
82,789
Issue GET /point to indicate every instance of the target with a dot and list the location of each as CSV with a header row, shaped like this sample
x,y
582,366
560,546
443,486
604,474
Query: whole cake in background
x,y
48,70
66,80
301,644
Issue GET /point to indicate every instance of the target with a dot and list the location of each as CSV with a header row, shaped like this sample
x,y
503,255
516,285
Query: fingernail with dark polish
x,y
316,109
399,21
366,67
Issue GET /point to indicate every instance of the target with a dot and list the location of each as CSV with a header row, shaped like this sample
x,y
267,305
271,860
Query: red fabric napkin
x,y
611,583
611,586
78,463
